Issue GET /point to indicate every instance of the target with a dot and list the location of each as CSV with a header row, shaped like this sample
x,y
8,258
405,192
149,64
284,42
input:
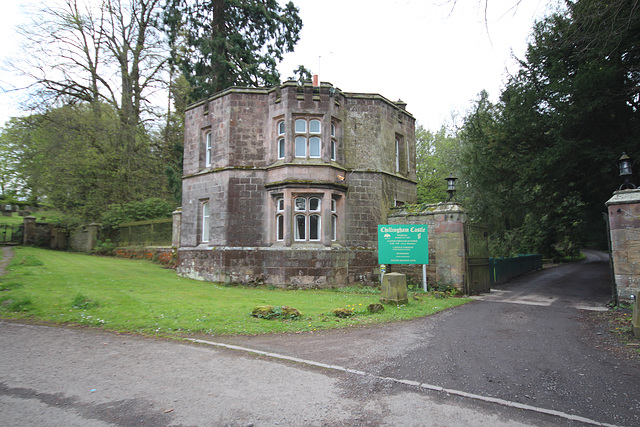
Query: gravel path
x,y
7,254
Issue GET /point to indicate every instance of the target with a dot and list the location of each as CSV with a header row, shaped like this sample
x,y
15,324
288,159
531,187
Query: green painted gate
x,y
476,245
10,234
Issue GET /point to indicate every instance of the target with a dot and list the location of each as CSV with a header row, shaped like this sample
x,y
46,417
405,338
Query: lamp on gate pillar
x,y
451,186
625,165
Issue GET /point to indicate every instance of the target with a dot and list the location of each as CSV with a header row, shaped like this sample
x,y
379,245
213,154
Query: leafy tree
x,y
437,156
13,139
112,54
73,160
152,208
540,162
231,42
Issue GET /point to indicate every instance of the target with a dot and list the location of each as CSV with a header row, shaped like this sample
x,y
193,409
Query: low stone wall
x,y
162,254
285,267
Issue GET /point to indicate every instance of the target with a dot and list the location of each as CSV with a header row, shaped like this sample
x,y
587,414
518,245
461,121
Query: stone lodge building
x,y
287,185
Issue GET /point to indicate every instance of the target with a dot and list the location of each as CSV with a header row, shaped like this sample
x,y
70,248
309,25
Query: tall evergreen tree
x,y
542,162
231,42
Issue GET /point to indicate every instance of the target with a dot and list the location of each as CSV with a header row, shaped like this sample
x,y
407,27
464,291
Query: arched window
x,y
307,221
397,155
205,221
333,141
408,157
314,147
314,126
334,220
280,219
307,143
208,150
281,146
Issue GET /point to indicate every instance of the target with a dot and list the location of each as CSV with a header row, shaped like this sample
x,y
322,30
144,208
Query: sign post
x,y
404,244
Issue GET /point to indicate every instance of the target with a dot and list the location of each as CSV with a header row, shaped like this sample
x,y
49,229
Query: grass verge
x,y
141,297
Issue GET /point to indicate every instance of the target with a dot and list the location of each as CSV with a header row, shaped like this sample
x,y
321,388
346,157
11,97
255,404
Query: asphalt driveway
x,y
520,355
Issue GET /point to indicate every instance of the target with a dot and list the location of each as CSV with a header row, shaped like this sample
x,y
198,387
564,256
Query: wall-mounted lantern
x,y
451,186
625,165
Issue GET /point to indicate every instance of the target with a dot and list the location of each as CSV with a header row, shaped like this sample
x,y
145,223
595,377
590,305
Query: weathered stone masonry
x,y
282,214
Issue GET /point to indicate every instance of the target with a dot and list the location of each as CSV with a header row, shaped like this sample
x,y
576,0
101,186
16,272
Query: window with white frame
x,y
208,149
334,220
281,143
280,219
308,143
397,155
307,221
333,141
205,221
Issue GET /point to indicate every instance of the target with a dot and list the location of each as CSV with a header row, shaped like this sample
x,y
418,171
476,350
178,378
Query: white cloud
x,y
435,58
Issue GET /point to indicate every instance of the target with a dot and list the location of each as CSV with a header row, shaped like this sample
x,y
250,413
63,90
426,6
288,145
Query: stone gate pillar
x,y
624,224
29,233
448,239
175,228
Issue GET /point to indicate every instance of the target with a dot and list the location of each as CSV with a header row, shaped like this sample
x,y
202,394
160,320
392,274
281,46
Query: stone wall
x,y
447,257
84,238
286,267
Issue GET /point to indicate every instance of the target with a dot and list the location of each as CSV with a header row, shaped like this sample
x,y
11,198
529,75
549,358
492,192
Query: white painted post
x,y
424,277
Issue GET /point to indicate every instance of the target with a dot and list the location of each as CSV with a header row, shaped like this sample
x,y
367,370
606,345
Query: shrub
x,y
270,312
342,312
83,303
104,248
375,308
17,306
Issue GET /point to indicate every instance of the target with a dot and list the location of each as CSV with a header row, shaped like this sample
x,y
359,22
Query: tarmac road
x,y
517,356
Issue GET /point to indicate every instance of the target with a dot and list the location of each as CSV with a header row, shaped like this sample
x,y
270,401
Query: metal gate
x,y
477,254
10,234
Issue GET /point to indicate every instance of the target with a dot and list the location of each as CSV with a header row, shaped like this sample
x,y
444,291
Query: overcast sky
x,y
431,54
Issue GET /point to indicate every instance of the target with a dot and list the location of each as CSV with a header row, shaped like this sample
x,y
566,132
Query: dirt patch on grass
x,y
612,331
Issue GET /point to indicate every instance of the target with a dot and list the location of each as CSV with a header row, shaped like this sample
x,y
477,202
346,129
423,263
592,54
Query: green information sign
x,y
403,244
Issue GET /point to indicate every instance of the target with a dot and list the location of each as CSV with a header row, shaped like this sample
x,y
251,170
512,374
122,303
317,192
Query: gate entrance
x,y
476,245
10,234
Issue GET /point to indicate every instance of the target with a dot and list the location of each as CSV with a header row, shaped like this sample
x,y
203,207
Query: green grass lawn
x,y
41,215
142,297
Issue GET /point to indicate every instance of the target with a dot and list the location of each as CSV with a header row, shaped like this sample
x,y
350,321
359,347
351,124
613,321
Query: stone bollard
x,y
635,322
394,289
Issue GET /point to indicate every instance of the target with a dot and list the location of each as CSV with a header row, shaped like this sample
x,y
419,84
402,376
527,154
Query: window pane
x,y
314,227
301,204
333,129
314,146
333,205
280,128
334,227
301,126
205,222
301,146
280,205
333,149
397,156
281,148
314,126
208,150
300,225
314,204
279,227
